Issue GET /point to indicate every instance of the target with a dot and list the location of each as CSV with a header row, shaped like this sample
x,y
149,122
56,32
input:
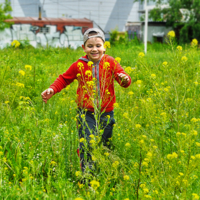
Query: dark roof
x,y
59,22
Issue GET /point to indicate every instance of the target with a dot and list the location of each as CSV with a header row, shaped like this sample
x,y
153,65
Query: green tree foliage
x,y
186,25
4,14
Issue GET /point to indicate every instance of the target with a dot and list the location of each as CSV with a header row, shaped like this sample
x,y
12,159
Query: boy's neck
x,y
97,61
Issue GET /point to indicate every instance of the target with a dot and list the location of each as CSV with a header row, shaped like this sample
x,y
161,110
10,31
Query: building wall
x,y
108,14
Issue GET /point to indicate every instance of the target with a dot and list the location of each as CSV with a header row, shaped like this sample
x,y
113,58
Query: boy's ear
x,y
83,47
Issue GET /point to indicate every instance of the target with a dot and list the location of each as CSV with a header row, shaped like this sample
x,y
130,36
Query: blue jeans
x,y
88,127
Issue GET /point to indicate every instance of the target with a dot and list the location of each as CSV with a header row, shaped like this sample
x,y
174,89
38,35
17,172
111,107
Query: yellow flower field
x,y
155,150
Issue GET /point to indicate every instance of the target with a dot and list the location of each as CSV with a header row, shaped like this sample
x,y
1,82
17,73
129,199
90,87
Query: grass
x,y
156,135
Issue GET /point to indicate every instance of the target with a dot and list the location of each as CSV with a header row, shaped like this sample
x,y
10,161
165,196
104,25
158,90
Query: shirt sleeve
x,y
118,69
65,79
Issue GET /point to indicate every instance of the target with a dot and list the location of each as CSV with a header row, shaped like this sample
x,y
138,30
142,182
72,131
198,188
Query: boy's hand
x,y
123,77
47,94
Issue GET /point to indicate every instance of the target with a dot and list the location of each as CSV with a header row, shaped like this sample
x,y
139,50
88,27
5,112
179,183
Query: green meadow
x,y
156,143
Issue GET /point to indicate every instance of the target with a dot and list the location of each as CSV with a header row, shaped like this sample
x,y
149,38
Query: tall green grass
x,y
156,137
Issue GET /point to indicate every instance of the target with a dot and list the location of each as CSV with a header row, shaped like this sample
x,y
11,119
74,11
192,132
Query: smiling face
x,y
94,48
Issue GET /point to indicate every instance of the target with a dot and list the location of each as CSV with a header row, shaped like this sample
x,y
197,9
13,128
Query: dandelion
x,y
141,55
194,42
196,83
6,102
22,72
184,58
126,177
28,67
90,63
107,44
171,34
118,59
179,48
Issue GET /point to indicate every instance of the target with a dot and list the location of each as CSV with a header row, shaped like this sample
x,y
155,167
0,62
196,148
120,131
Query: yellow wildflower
x,y
194,42
141,55
138,82
184,58
15,43
78,198
127,144
118,59
116,105
115,164
28,67
107,44
22,72
106,154
81,140
20,85
171,34
94,184
153,76
88,73
195,196
128,70
90,63
179,48
78,173
126,177
164,63
138,126
130,93
80,65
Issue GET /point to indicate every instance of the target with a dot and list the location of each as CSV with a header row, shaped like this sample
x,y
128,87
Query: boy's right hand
x,y
47,94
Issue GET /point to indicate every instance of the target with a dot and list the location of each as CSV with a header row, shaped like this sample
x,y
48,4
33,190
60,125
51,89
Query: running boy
x,y
95,73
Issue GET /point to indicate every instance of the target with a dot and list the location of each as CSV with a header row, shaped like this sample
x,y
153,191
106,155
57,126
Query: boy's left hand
x,y
123,77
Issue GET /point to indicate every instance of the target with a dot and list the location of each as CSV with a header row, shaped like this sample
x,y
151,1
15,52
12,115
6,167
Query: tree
x,y
4,14
182,15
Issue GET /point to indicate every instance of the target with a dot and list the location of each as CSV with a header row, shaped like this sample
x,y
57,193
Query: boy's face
x,y
94,48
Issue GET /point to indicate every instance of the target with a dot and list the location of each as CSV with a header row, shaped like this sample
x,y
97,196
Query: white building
x,y
123,15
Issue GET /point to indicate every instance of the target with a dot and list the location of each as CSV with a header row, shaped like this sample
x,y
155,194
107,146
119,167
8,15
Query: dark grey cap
x,y
98,31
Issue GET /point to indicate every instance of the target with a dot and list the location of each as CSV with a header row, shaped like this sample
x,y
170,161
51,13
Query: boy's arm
x,y
65,79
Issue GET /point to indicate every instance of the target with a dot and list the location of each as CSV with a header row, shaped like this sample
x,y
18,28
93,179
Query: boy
x,y
95,73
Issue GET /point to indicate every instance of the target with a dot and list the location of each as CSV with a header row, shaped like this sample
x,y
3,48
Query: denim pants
x,y
87,127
